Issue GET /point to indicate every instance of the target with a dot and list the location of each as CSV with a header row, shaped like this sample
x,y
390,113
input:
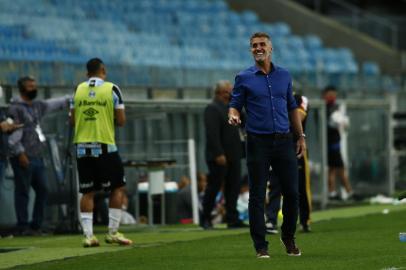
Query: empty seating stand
x,y
160,34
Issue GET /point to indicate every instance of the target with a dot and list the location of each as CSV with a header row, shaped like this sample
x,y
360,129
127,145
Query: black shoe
x,y
306,229
291,248
262,254
237,225
206,224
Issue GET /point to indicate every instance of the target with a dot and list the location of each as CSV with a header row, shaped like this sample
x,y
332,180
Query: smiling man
x,y
265,90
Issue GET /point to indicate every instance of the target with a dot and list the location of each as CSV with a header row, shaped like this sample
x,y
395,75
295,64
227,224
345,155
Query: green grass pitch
x,y
347,238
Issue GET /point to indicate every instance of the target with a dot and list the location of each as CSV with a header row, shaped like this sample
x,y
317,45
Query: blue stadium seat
x,y
370,68
196,34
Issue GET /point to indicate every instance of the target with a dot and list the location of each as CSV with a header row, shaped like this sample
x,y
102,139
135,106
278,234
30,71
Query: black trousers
x,y
230,175
305,199
262,152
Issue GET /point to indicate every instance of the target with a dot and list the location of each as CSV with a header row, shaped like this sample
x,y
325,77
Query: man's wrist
x,y
301,135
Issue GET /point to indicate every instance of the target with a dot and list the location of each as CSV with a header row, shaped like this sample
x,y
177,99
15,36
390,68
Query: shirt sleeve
x,y
302,111
55,104
238,94
15,138
117,98
291,102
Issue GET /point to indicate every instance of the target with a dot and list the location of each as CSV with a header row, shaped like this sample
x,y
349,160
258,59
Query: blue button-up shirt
x,y
267,99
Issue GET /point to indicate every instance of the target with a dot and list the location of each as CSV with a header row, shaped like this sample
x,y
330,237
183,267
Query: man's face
x,y
30,86
103,72
261,49
330,97
30,89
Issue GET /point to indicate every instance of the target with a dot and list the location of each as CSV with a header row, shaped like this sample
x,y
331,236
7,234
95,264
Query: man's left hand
x,y
300,147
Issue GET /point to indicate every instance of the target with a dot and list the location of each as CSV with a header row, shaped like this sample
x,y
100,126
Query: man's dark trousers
x,y
230,175
24,178
264,151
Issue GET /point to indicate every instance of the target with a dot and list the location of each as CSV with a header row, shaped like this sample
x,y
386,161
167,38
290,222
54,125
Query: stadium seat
x,y
194,34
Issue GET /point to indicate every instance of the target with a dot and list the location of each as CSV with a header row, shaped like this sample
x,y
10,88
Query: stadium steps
x,y
304,22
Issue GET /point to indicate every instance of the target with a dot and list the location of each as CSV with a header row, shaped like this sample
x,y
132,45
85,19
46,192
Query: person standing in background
x,y
305,196
223,156
336,167
26,153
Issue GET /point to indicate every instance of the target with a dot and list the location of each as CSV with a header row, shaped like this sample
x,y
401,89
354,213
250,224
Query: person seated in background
x,y
126,217
184,197
243,199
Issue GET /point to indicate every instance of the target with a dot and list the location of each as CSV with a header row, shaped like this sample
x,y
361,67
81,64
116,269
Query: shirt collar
x,y
273,68
96,81
18,99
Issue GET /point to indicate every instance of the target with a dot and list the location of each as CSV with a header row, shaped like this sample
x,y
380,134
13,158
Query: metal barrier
x,y
160,128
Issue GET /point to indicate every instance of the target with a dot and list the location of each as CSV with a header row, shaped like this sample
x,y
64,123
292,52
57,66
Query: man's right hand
x,y
221,160
5,126
234,117
23,160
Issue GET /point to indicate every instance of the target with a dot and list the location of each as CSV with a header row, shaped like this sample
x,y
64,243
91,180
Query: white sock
x,y
114,219
87,223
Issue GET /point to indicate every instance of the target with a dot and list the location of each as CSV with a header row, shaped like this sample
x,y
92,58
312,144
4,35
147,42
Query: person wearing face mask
x,y
336,167
26,153
223,156
273,120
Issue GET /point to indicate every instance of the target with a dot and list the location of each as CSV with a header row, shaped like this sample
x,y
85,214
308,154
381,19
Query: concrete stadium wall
x,y
303,21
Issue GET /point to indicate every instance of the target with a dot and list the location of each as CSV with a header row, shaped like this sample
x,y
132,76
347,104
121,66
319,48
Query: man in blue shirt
x,y
265,91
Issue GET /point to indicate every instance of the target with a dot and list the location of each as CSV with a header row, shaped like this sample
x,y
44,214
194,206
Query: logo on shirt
x,y
102,103
92,94
90,113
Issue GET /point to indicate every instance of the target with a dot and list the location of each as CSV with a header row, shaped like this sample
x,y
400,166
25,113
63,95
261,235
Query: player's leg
x,y
342,173
86,187
114,180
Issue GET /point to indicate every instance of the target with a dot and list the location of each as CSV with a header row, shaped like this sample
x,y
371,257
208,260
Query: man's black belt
x,y
273,136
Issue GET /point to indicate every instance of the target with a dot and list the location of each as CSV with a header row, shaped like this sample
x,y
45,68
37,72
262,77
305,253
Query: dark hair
x,y
21,82
94,65
329,88
259,35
